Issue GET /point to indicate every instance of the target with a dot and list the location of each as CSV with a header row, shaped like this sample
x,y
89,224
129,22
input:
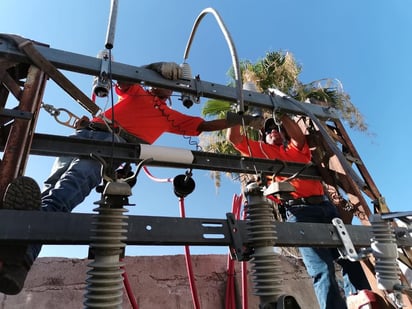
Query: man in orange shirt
x,y
140,116
284,140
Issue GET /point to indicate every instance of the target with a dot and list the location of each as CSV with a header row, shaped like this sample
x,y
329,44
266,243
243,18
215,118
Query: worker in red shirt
x,y
140,116
284,140
145,114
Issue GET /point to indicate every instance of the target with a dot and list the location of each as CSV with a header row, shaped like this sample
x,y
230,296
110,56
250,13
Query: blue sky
x,y
364,44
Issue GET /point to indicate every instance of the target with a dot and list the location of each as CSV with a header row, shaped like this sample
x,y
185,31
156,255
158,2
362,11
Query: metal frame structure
x,y
26,65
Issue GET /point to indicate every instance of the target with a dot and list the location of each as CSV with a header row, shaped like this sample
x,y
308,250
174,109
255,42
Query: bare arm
x,y
213,125
232,119
295,133
234,135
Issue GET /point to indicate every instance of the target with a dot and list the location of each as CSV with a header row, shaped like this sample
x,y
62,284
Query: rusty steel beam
x,y
17,148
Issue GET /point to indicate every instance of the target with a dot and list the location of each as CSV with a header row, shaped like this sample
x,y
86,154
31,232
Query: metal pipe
x,y
233,53
112,24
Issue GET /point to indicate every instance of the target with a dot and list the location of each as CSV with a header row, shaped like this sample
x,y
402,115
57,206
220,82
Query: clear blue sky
x,y
364,44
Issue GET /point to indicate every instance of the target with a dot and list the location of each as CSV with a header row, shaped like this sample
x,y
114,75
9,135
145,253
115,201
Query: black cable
x,y
164,113
112,108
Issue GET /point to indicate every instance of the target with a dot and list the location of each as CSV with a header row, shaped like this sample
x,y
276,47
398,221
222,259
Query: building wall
x,y
156,281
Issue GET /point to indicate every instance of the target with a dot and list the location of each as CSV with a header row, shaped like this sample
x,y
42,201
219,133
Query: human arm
x,y
297,138
233,135
232,119
247,147
212,125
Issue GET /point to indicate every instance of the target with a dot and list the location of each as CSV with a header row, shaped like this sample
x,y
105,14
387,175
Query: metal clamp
x,y
237,251
348,250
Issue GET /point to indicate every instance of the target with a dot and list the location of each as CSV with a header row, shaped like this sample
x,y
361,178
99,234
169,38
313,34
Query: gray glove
x,y
169,70
255,122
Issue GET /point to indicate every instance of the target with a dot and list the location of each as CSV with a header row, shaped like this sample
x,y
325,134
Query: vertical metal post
x,y
17,148
112,25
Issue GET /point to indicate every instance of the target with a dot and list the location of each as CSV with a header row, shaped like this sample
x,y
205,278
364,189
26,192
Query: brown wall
x,y
157,281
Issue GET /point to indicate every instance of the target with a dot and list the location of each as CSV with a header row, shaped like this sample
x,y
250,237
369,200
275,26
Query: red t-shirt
x,y
148,117
259,149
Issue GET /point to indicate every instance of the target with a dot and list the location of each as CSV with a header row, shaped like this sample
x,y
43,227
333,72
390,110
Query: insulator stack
x,y
266,274
105,281
385,251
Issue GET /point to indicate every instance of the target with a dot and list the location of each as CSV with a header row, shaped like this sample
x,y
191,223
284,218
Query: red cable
x,y
189,268
188,260
230,284
244,277
128,288
230,302
126,281
155,178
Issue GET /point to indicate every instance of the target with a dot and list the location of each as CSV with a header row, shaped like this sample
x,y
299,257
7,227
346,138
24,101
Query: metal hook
x,y
71,122
57,112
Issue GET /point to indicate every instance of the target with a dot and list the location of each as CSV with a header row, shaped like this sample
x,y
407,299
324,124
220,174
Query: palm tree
x,y
279,70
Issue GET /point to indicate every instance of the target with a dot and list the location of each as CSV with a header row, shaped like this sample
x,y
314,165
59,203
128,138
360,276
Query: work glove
x,y
169,70
255,122
81,123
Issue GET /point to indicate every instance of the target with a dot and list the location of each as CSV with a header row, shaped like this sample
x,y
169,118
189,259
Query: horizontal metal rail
x,y
91,66
23,226
54,145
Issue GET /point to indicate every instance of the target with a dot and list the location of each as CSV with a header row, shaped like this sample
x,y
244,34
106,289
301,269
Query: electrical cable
x,y
230,301
231,296
278,122
146,170
112,106
128,288
189,268
172,123
192,283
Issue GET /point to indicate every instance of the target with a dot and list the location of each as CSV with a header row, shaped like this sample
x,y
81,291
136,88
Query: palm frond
x,y
278,69
216,108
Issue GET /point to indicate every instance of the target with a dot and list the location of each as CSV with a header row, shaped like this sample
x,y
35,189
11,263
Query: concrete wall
x,y
157,282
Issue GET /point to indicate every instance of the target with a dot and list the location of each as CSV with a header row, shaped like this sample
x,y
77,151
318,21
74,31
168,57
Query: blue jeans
x,y
71,181
319,261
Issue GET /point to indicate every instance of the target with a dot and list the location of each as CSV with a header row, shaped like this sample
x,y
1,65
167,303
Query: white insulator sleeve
x,y
166,154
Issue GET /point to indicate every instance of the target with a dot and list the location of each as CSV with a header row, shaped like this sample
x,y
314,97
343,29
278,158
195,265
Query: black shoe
x,y
12,277
22,193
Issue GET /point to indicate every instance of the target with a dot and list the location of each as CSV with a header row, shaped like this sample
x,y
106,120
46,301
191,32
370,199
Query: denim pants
x,y
71,181
319,262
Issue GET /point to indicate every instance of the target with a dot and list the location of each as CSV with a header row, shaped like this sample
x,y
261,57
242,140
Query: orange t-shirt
x,y
259,149
148,117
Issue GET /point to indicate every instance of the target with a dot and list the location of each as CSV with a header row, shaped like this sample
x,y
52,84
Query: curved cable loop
x,y
148,174
235,60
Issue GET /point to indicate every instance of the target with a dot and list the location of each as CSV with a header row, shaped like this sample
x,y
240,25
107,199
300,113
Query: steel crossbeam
x,y
23,226
91,66
53,145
